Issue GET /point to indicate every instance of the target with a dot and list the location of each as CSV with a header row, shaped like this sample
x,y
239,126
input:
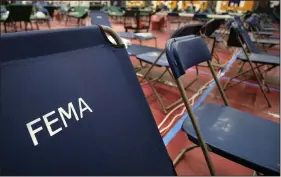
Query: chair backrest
x,y
211,26
51,9
253,22
185,57
56,111
189,29
173,14
239,29
19,12
99,18
200,16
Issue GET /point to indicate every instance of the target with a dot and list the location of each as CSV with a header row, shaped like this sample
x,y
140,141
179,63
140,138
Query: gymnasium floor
x,y
243,96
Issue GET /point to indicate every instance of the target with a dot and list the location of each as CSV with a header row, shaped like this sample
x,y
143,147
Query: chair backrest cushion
x,y
186,52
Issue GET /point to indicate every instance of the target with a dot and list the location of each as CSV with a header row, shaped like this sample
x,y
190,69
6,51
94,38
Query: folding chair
x,y
208,30
100,18
233,134
158,59
238,38
263,27
56,113
269,42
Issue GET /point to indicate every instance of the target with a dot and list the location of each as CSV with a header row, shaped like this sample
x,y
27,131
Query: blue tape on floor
x,y
174,130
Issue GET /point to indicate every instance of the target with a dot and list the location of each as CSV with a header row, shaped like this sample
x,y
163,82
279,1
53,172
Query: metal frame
x,y
113,34
164,107
202,144
261,82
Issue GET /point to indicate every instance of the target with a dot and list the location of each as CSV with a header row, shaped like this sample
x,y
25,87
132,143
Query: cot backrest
x,y
99,18
72,105
189,29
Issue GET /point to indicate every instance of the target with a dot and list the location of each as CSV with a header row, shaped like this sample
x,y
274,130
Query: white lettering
x,y
68,114
49,123
33,132
83,106
80,100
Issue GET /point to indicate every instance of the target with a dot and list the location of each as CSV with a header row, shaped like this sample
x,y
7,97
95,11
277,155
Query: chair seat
x,y
239,136
127,35
145,36
270,29
266,41
135,49
118,14
274,37
150,57
264,58
139,36
267,33
76,14
35,17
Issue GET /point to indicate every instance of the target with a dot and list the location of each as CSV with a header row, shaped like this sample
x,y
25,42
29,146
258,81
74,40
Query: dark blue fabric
x,y
51,38
239,136
186,52
119,136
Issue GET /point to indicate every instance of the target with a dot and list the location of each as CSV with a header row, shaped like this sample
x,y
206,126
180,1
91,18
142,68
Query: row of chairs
x,y
23,13
85,134
155,57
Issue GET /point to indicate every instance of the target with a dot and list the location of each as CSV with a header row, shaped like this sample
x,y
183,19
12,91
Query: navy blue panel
x,y
239,136
99,18
186,52
34,43
118,136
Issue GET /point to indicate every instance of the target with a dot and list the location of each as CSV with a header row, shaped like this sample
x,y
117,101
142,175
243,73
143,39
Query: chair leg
x,y
48,23
66,20
31,25
78,22
181,154
15,26
25,26
5,27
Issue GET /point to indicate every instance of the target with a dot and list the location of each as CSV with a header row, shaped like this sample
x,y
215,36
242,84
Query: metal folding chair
x,y
233,134
208,30
56,116
158,59
100,18
239,38
263,42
